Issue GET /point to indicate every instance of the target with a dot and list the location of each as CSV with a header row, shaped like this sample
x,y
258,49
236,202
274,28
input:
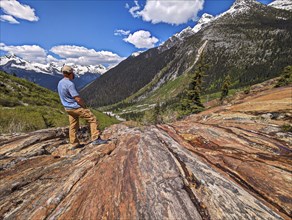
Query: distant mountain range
x,y
48,75
251,42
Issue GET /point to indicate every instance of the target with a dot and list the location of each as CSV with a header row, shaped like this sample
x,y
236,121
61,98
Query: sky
x,y
92,32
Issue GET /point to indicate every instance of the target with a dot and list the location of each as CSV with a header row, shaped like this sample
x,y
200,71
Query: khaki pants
x,y
74,115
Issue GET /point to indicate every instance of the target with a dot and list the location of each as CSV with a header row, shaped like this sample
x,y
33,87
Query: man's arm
x,y
80,101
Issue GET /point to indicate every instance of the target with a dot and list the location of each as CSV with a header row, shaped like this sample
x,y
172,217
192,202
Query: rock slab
x,y
229,162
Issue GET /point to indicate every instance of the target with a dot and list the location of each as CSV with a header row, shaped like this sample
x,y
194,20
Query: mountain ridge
x,y
48,75
282,4
250,44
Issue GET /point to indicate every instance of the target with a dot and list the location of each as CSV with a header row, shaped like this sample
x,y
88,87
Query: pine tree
x,y
225,87
191,103
156,113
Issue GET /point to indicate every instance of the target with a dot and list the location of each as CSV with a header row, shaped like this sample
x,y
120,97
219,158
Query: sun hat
x,y
67,69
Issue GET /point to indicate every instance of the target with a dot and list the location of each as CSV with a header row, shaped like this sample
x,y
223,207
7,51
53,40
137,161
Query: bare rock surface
x,y
228,162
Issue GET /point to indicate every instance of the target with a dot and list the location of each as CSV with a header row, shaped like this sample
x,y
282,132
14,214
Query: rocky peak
x,y
10,56
204,20
282,4
245,2
184,33
179,37
137,53
240,7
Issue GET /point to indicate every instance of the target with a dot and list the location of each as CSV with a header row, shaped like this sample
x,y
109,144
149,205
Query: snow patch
x,y
282,4
205,19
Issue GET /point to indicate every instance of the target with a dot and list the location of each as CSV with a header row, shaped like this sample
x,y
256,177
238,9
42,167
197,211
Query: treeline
x,y
127,78
190,101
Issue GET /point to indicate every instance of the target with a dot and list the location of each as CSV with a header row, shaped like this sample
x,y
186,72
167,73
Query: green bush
x,y
286,77
247,90
9,102
286,128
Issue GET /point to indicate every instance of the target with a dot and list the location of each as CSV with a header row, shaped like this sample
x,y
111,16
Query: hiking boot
x,y
99,141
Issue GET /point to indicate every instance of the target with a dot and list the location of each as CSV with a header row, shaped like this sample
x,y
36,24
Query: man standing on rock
x,y
75,107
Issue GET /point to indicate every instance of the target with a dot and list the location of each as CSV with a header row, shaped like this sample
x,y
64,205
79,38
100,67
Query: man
x,y
75,107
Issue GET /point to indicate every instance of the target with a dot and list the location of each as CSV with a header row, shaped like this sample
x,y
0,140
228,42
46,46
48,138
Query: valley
x,y
199,127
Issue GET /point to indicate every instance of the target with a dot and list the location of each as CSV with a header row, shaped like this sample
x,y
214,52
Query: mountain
x,y
229,162
250,42
185,33
203,22
48,75
282,4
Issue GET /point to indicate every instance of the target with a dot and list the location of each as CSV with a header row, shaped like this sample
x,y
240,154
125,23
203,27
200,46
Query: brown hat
x,y
67,69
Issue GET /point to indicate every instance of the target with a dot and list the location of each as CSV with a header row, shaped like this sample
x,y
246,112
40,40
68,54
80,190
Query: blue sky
x,y
94,31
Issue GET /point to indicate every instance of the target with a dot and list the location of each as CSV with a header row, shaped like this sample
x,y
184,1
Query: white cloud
x,y
121,32
69,54
17,10
85,56
8,18
168,11
33,53
141,39
134,9
50,59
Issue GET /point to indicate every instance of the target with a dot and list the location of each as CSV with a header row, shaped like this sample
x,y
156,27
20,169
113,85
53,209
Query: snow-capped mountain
x,y
137,53
175,39
250,41
282,4
48,75
205,19
239,7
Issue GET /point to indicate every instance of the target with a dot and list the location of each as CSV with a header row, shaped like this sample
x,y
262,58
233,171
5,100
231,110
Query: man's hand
x,y
80,101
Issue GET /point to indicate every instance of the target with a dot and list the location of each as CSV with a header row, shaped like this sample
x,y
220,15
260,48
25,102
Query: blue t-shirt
x,y
67,91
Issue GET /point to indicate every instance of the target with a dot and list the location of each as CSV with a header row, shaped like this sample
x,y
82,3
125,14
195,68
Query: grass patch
x,y
25,107
169,90
104,120
31,118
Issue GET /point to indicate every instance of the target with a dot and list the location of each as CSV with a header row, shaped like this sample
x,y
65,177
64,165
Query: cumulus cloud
x,y
69,54
15,9
50,59
168,11
8,18
85,56
141,39
121,32
33,53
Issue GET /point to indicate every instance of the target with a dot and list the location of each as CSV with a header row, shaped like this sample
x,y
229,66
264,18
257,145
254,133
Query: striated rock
x,y
225,163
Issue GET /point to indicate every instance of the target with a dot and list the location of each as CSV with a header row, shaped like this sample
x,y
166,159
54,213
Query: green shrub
x,y
247,90
286,77
286,128
9,102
